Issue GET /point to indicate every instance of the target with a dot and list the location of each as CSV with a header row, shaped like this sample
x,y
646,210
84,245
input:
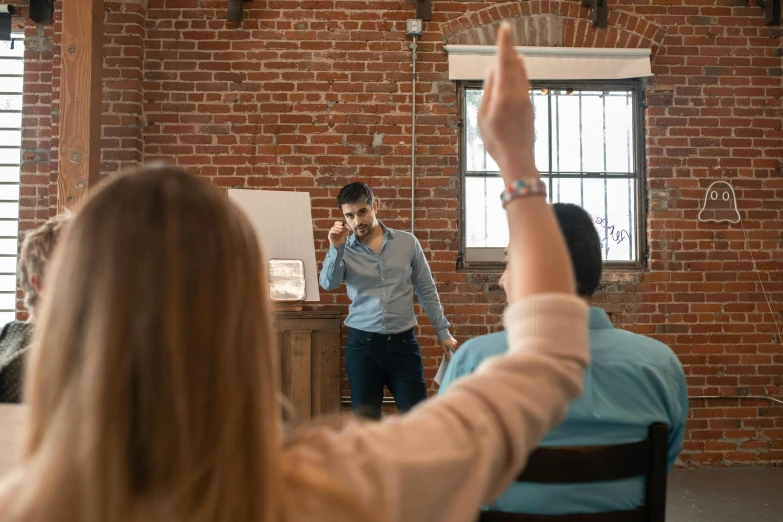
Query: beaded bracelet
x,y
522,188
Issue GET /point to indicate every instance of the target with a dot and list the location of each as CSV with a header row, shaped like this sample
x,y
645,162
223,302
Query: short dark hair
x,y
353,192
584,246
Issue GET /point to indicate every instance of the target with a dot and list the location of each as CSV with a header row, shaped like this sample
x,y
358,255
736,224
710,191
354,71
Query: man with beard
x,y
381,267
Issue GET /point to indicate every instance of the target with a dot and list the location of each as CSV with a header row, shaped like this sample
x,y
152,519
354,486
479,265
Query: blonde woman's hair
x,y
154,376
34,257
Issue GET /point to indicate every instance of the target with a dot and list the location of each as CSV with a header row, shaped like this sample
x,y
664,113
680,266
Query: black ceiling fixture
x,y
771,11
6,15
234,13
424,10
42,11
599,12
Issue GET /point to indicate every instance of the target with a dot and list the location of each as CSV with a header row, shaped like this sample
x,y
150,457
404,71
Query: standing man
x,y
381,267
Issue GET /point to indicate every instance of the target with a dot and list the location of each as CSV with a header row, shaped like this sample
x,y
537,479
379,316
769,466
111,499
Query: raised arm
x,y
333,271
448,456
454,453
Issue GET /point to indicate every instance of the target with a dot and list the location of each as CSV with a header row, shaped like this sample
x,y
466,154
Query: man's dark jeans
x,y
373,360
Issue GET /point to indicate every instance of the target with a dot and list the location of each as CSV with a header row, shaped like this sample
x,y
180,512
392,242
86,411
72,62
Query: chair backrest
x,y
582,465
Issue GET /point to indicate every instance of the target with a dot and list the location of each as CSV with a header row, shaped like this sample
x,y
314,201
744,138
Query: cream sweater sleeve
x,y
450,455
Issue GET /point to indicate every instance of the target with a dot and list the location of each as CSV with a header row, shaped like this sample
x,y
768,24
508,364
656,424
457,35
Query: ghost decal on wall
x,y
720,204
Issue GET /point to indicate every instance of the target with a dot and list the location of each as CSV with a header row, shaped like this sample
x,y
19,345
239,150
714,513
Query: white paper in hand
x,y
444,363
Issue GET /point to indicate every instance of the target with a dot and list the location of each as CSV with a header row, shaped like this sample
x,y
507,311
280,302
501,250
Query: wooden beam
x,y
80,101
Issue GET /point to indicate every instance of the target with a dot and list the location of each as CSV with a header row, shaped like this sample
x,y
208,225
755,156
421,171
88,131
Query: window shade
x,y
471,62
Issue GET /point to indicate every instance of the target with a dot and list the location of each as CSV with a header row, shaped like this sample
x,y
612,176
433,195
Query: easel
x,y
309,341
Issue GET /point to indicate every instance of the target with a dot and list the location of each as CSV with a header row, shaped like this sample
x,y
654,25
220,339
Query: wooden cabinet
x,y
310,361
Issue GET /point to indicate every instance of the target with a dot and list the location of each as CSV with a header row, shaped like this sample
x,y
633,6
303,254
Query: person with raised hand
x,y
154,376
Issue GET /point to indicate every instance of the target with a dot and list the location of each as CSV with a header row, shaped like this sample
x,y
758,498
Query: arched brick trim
x,y
551,23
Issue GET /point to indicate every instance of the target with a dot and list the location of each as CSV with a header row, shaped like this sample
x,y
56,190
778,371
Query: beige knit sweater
x,y
450,455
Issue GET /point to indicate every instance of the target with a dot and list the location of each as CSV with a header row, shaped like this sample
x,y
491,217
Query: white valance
x,y
471,62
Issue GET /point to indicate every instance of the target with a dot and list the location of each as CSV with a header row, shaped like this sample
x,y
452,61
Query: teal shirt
x,y
632,382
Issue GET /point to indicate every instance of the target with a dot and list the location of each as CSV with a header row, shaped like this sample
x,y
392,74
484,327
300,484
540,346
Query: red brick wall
x,y
123,80
38,192
309,95
714,113
38,185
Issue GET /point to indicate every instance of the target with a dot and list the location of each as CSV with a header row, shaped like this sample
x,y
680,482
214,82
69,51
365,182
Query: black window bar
x,y
12,86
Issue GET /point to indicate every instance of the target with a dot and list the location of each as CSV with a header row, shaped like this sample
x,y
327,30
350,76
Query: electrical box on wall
x,y
413,27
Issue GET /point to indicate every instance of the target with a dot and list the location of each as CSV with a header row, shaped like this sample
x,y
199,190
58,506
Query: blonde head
x,y
154,376
34,257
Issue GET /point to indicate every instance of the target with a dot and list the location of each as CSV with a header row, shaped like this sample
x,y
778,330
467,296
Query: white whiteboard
x,y
284,223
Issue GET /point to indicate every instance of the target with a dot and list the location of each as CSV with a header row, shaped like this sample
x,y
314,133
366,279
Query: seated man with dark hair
x,y
632,382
